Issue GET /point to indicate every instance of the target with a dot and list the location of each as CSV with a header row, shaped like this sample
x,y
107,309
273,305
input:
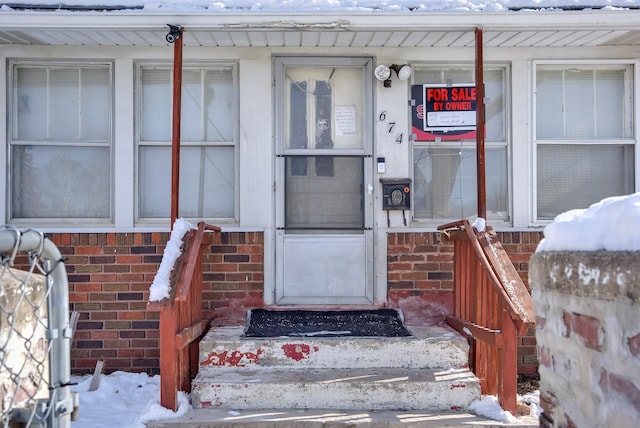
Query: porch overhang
x,y
348,30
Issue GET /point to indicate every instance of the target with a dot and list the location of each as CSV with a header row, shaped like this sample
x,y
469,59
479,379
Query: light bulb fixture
x,y
402,71
382,72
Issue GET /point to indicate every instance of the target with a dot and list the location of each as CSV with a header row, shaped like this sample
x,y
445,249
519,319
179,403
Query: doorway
x,y
324,207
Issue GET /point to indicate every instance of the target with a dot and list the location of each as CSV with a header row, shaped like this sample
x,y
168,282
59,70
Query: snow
x,y
480,224
437,6
126,400
129,400
490,408
160,287
613,224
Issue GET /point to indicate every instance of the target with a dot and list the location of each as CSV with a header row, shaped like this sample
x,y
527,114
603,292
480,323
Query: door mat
x,y
308,323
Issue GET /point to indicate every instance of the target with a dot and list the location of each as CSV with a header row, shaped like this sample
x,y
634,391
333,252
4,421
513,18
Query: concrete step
x,y
345,389
313,418
224,349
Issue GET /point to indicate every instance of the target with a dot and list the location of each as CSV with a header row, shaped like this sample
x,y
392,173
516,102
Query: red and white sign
x,y
444,112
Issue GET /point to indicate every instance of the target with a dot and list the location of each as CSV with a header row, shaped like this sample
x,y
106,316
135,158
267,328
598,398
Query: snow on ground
x,y
128,400
125,400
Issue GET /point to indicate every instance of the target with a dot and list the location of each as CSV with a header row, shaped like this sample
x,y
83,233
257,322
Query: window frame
x,y
633,105
140,221
507,143
53,222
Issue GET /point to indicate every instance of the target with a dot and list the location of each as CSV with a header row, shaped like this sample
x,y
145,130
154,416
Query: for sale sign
x,y
445,112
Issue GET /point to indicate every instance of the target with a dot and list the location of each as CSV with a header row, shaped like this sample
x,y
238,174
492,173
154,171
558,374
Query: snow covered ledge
x,y
585,283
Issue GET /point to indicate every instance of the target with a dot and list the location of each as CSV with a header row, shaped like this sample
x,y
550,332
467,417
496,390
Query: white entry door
x,y
324,239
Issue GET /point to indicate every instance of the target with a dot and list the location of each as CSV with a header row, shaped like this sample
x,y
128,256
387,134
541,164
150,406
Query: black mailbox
x,y
396,193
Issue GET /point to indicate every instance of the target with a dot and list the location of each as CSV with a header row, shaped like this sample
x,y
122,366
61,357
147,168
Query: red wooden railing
x,y
181,323
491,306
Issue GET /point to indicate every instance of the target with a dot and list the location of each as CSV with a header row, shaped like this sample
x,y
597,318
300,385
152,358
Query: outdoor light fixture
x,y
402,71
174,33
383,73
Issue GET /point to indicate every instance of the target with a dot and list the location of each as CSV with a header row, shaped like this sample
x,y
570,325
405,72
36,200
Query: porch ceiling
x,y
324,30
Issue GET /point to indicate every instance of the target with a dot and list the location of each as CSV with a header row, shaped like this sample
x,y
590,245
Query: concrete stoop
x,y
330,382
322,418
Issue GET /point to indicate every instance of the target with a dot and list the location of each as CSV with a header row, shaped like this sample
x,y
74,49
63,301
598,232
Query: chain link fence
x,y
35,335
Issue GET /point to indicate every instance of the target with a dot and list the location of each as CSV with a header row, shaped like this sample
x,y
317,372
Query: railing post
x,y
508,361
168,356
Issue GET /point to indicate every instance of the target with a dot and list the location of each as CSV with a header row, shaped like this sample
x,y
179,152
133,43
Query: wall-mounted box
x,y
396,193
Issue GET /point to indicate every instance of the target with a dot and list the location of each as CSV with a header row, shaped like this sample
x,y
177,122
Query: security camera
x,y
173,34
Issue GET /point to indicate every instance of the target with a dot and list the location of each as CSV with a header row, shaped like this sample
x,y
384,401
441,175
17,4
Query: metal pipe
x,y
175,132
480,128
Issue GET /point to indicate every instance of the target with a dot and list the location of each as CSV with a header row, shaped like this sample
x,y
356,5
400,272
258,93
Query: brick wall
x,y
420,279
110,274
109,277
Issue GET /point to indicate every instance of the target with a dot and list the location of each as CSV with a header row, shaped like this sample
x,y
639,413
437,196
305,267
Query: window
x,y
444,162
583,135
60,141
208,139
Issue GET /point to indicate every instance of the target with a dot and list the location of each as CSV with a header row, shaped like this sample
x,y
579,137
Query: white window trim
x,y
156,222
54,223
633,141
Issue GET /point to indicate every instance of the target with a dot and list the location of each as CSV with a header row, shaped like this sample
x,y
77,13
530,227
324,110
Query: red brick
x,y
128,259
427,285
625,388
415,275
399,267
230,267
585,326
78,297
116,343
131,353
104,334
88,287
250,249
131,315
88,250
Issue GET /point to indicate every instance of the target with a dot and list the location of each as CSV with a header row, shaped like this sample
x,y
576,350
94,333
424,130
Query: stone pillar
x,y
587,308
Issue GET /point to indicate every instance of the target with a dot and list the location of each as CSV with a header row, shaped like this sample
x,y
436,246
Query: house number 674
x,y
390,126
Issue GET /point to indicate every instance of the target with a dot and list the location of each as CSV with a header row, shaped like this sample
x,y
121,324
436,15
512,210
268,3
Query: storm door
x,y
324,241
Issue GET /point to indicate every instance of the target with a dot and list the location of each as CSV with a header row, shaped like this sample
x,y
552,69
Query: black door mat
x,y
308,323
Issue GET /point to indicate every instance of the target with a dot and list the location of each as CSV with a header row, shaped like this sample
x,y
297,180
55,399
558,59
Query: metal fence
x,y
35,335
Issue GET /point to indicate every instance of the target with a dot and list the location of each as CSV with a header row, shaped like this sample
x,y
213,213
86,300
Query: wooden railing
x,y
181,323
491,306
